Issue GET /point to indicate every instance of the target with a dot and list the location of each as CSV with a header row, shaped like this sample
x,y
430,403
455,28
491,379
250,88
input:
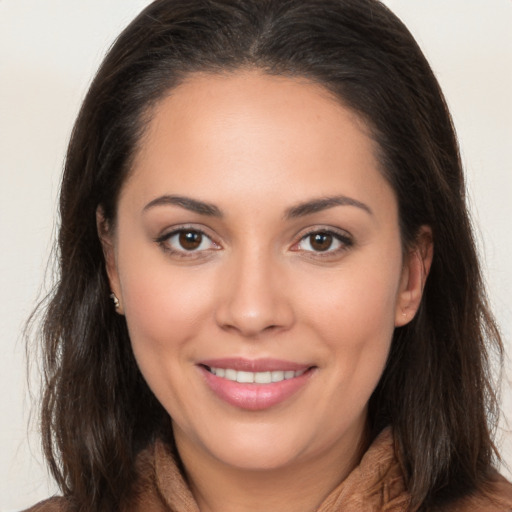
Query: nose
x,y
253,297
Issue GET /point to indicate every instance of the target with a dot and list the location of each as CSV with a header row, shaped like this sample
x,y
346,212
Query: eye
x,y
187,240
323,241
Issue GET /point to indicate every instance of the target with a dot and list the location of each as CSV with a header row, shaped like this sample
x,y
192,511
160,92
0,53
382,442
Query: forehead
x,y
251,105
255,131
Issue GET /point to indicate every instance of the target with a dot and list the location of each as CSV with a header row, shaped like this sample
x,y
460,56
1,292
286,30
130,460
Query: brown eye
x,y
187,243
190,240
328,243
320,241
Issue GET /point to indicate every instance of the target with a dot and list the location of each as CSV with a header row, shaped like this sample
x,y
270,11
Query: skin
x,y
255,147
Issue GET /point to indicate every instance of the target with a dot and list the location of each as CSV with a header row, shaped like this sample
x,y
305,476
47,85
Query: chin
x,y
254,456
254,446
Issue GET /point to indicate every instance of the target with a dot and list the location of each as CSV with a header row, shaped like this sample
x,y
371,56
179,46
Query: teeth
x,y
245,377
255,377
230,374
263,378
277,376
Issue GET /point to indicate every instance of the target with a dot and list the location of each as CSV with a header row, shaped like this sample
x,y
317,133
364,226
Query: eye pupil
x,y
321,241
190,240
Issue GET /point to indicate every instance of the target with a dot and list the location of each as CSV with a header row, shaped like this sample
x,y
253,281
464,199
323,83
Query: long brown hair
x,y
436,391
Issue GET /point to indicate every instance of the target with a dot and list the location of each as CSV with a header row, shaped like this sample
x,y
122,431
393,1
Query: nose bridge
x,y
253,300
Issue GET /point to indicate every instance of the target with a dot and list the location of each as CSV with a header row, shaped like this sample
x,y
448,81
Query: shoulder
x,y
51,505
495,497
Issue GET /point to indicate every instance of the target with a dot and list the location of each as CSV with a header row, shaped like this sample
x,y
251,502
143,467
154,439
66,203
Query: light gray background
x,y
49,51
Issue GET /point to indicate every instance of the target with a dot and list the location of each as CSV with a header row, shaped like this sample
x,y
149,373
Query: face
x,y
258,261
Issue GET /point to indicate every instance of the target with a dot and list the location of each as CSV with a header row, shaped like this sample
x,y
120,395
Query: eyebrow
x,y
323,203
192,205
300,210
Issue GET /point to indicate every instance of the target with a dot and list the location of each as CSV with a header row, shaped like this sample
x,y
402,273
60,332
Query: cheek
x,y
353,312
359,301
356,325
164,304
358,331
165,308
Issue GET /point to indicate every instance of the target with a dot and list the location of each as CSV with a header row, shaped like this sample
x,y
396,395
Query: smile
x,y
255,385
245,377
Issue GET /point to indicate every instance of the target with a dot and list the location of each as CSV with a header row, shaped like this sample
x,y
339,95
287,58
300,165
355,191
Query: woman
x,y
271,194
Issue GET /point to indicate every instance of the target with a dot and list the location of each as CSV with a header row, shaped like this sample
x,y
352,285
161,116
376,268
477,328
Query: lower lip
x,y
254,397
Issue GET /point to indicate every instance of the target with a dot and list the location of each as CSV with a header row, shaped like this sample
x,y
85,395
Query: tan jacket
x,y
375,485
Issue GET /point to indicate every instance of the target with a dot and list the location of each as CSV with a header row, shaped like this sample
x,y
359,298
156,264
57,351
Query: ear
x,y
106,236
416,267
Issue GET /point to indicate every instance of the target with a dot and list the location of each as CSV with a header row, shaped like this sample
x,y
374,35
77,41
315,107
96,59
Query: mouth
x,y
255,385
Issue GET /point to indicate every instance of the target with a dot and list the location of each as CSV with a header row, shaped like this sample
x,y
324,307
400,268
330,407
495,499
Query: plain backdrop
x,y
49,51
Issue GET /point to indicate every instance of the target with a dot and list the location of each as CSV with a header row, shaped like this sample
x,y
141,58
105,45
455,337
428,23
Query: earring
x,y
115,300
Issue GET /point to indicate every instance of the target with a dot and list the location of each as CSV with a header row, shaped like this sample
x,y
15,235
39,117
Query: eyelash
x,y
164,241
345,241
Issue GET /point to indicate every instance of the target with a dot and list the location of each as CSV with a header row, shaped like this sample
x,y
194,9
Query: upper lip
x,y
254,365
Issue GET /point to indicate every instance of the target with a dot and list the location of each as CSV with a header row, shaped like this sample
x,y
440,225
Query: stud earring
x,y
115,300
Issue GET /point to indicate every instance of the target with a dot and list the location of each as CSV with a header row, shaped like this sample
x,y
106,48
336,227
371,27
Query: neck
x,y
301,486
